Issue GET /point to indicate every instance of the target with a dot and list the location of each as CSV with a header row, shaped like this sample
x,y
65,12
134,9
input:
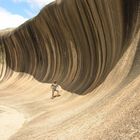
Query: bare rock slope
x,y
92,48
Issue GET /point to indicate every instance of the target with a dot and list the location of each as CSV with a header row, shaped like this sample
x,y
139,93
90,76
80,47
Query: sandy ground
x,y
10,121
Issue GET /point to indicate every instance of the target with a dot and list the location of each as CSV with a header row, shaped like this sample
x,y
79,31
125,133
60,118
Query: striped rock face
x,y
92,49
74,42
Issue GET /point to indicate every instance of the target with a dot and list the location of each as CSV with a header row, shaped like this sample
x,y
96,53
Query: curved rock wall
x,y
86,45
76,42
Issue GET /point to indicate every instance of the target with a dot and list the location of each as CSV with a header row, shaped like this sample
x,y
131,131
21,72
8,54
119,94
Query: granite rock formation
x,y
92,48
74,42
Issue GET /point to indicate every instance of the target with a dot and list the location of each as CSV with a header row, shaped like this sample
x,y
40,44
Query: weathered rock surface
x,y
92,48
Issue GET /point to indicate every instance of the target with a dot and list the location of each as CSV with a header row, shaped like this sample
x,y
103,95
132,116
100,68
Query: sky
x,y
15,12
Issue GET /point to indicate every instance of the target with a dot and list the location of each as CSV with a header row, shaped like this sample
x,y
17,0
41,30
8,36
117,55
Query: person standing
x,y
54,88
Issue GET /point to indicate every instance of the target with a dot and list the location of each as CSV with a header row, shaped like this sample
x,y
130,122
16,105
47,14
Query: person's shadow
x,y
55,96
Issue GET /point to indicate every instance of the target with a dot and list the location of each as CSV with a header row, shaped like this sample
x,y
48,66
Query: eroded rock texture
x,y
88,46
76,42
